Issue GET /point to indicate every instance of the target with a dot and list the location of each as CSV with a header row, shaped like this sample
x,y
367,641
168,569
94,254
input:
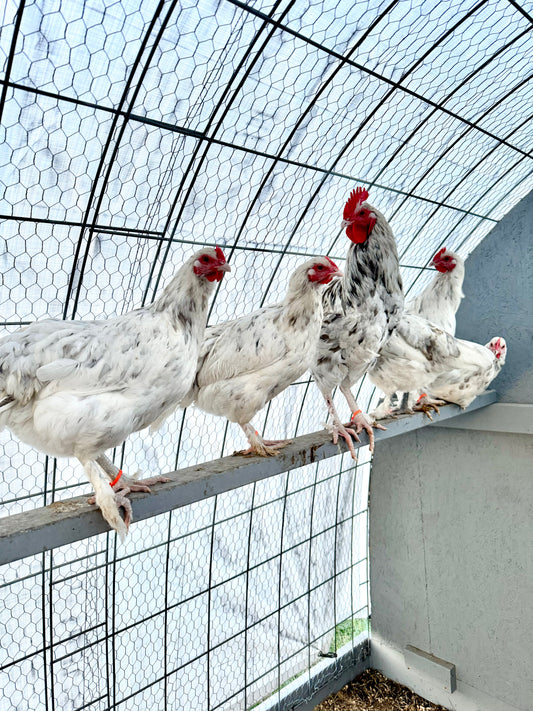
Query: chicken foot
x,y
337,428
359,419
259,446
128,484
426,403
384,409
120,491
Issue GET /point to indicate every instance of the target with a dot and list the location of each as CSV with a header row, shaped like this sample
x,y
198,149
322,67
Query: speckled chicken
x,y
420,355
437,303
246,362
360,312
78,388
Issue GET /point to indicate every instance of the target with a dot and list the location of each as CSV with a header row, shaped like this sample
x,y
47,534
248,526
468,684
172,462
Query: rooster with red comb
x,y
360,311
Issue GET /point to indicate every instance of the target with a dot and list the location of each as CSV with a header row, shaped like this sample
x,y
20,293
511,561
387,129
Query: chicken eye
x,y
205,259
320,267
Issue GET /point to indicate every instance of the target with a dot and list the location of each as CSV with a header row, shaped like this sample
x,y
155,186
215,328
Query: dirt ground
x,y
372,691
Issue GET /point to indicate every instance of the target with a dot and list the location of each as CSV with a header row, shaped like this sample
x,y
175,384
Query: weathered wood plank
x,y
74,519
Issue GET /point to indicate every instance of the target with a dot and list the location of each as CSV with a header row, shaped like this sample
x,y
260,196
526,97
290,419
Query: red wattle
x,y
443,268
357,233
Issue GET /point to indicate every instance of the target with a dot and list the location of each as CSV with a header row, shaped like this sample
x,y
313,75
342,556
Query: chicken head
x,y
323,271
444,261
211,264
359,221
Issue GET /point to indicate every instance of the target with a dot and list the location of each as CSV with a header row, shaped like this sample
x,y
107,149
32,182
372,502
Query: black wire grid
x,y
218,605
133,132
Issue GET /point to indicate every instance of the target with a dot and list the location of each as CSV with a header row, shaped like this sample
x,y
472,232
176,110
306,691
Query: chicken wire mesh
x,y
131,133
216,605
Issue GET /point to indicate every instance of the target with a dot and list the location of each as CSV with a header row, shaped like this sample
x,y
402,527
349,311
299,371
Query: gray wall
x,y
451,512
498,299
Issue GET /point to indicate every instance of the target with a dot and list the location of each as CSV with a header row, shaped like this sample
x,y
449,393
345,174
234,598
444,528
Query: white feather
x,y
438,303
420,356
56,370
441,298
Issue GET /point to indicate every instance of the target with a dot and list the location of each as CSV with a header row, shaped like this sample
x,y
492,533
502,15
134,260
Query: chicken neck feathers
x,y
441,298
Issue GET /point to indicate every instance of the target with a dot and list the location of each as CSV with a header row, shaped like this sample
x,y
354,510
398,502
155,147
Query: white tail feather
x,y
57,370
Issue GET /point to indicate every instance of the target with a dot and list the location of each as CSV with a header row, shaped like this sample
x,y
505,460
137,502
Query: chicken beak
x,y
224,267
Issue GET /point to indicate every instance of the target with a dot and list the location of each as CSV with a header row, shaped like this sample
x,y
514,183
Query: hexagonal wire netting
x,y
133,131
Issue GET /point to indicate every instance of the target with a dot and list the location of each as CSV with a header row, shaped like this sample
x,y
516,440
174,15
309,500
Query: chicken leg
x,y
108,500
337,428
359,419
426,403
119,491
128,484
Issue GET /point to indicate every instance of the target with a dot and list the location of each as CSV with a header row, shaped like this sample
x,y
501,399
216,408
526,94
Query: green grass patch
x,y
347,630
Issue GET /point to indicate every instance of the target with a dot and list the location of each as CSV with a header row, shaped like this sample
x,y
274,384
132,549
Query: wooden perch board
x,y
74,519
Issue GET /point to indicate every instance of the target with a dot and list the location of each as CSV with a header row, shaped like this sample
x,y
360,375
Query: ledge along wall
x,y
451,512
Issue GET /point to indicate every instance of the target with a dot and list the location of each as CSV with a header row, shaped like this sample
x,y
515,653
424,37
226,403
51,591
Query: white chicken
x,y
246,362
360,311
420,355
78,388
478,366
437,303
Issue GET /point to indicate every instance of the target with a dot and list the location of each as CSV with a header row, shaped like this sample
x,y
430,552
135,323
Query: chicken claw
x,y
361,422
123,487
336,429
262,450
127,485
425,404
384,409
130,483
121,502
382,413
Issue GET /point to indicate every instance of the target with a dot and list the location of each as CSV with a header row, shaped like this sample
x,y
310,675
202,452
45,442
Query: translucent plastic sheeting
x,y
133,131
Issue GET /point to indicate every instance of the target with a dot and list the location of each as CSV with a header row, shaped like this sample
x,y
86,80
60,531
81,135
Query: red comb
x,y
439,253
356,198
220,254
332,263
